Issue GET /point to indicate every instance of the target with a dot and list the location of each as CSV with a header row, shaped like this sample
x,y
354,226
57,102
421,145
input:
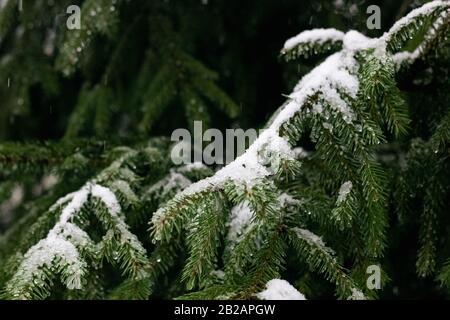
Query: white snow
x,y
241,216
60,247
338,72
173,181
278,289
77,200
313,239
357,295
192,166
46,253
327,126
317,35
410,56
406,56
250,167
107,197
424,10
344,190
113,206
72,233
62,201
123,187
336,75
60,243
287,200
300,153
218,273
355,40
309,237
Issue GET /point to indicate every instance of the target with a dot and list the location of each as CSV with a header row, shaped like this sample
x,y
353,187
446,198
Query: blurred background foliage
x,y
214,52
239,40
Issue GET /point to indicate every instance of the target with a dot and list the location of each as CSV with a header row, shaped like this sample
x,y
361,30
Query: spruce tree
x,y
350,168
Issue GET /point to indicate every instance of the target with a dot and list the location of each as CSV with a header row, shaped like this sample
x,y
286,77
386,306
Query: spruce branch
x,y
98,19
345,103
320,258
70,252
313,42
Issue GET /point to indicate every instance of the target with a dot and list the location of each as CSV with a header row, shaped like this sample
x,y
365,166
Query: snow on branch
x,y
241,216
404,28
64,249
319,36
344,191
312,239
331,80
57,249
331,90
335,77
408,57
278,289
426,9
49,255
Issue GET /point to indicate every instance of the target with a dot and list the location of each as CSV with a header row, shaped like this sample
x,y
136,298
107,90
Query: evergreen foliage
x,y
356,157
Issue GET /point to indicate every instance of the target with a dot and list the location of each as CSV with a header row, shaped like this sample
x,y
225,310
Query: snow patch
x,y
241,217
107,197
309,237
336,72
345,189
317,35
171,182
354,41
44,254
357,295
278,289
286,200
61,245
